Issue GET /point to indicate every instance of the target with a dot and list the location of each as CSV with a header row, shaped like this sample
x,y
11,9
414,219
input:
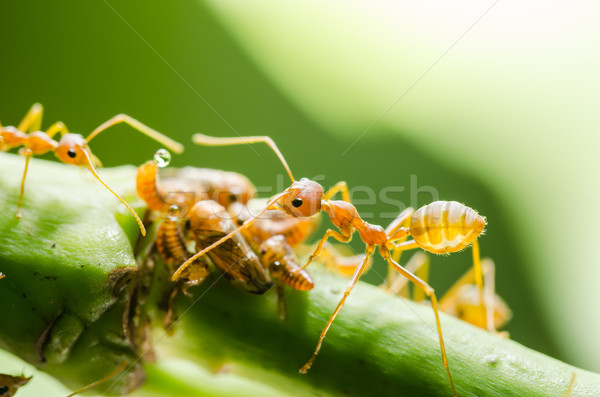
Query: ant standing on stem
x,y
430,227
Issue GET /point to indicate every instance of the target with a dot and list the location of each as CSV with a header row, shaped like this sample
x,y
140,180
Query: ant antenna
x,y
205,140
93,170
144,129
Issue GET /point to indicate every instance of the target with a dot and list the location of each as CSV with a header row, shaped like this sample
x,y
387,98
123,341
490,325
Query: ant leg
x,y
359,271
496,311
431,294
401,221
418,264
27,153
280,302
205,140
449,299
118,370
340,187
489,295
33,119
332,258
479,279
59,126
144,129
330,232
397,230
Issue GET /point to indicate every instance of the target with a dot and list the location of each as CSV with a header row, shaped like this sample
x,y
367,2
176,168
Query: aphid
x,y
71,148
462,300
1,275
184,187
274,234
209,222
184,196
306,198
171,245
9,384
279,258
273,237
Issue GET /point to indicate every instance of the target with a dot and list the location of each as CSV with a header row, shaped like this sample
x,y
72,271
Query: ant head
x,y
302,199
71,148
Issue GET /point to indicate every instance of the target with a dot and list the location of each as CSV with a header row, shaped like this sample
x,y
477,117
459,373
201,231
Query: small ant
x,y
430,228
71,148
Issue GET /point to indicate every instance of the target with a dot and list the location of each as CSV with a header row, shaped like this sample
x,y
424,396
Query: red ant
x,y
71,148
430,227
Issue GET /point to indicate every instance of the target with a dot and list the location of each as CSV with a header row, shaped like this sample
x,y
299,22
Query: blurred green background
x,y
494,105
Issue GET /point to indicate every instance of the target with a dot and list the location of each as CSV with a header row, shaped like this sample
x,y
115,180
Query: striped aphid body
x,y
170,242
281,261
445,226
208,223
171,246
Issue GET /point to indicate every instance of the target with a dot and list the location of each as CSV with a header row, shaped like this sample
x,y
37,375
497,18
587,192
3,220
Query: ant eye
x,y
71,153
297,202
3,390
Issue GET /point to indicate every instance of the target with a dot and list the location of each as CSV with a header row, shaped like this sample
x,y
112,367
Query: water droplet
x,y
162,158
174,212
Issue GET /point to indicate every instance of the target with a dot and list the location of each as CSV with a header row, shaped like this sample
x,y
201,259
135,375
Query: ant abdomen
x,y
446,226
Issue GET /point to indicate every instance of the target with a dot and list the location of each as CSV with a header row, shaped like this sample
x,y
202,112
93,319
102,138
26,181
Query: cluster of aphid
x,y
207,211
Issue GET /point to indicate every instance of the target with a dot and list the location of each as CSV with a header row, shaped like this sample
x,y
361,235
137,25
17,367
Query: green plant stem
x,y
58,262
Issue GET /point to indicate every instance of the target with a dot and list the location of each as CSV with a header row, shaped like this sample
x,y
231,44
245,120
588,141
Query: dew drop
x,y
162,158
174,212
